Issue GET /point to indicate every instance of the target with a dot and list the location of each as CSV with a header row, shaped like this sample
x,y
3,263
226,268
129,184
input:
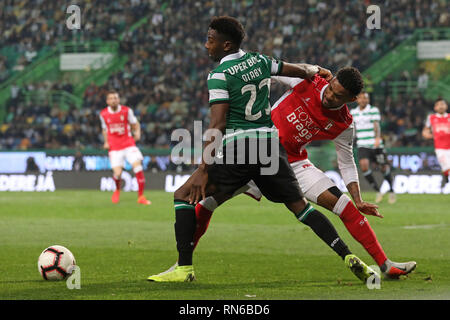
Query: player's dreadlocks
x,y
229,27
350,78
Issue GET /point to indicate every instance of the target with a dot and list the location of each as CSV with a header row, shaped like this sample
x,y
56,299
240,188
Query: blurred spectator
x,y
422,80
31,165
15,91
78,162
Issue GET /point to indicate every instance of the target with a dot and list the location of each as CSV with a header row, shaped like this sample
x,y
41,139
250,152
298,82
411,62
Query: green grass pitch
x,y
251,250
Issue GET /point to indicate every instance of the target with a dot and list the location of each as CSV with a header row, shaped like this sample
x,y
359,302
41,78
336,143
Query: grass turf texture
x,y
251,250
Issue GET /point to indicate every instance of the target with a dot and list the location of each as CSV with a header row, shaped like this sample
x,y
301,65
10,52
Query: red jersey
x,y
440,125
118,128
301,118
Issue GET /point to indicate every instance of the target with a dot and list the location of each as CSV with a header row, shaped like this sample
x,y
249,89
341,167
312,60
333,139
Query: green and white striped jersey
x,y
243,80
364,119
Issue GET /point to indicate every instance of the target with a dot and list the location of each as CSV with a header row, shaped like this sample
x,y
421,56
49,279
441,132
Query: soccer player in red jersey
x,y
120,131
316,110
437,127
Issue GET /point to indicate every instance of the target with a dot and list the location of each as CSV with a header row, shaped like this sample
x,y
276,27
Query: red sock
x,y
117,181
360,229
141,182
203,216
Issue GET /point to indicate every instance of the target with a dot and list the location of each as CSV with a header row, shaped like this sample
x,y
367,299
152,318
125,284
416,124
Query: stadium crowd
x,y
32,26
164,80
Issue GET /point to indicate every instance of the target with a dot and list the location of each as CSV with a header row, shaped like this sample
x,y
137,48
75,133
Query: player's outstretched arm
x,y
427,133
349,172
105,139
304,71
377,129
365,207
104,132
136,129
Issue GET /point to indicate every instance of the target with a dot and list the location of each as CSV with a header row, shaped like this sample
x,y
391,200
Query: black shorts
x,y
377,155
280,186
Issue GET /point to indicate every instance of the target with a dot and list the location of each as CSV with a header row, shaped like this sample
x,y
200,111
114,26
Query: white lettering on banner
x,y
414,162
430,184
130,183
83,60
107,184
420,184
59,163
94,163
414,184
91,162
173,183
30,182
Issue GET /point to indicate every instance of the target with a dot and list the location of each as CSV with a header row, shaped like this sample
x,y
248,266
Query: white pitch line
x,y
426,226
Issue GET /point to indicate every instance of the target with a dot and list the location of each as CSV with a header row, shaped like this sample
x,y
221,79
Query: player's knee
x,y
364,165
341,204
335,191
329,197
181,194
117,172
297,206
209,203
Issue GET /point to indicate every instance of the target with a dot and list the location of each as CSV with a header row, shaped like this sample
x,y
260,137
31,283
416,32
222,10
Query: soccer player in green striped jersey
x,y
239,91
370,144
232,82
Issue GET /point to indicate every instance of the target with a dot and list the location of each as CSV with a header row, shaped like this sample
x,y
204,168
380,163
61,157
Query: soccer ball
x,y
56,263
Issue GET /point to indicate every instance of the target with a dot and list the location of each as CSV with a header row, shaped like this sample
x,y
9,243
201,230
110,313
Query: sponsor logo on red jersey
x,y
301,118
118,128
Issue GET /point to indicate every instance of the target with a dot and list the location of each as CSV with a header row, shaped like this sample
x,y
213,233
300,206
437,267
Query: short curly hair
x,y
350,78
229,27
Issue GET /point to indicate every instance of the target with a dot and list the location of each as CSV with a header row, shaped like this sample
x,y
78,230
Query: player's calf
x,y
445,175
115,198
359,228
203,213
185,226
324,229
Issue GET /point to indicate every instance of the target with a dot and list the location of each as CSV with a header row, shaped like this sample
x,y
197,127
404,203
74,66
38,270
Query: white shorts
x,y
443,157
131,154
313,182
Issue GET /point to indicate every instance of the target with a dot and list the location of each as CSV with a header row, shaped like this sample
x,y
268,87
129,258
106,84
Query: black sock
x,y
371,180
185,225
388,178
324,229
